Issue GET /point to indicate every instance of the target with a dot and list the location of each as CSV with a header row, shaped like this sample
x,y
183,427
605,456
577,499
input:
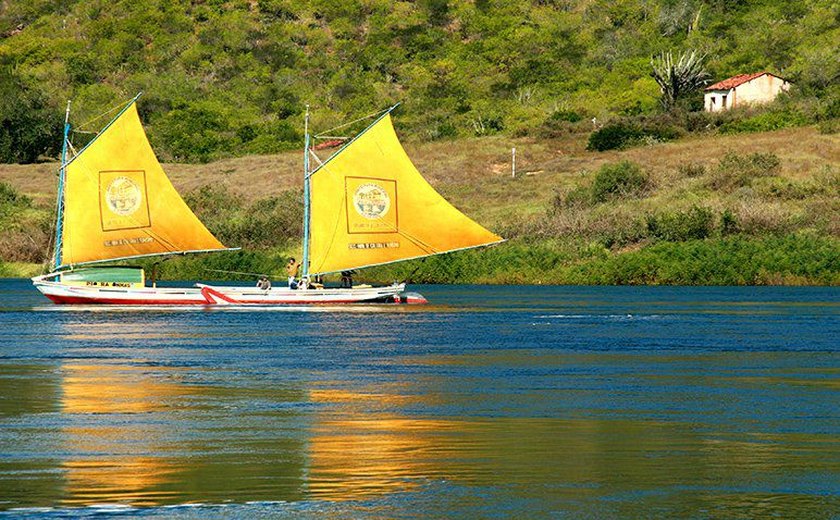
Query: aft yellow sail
x,y
119,203
370,206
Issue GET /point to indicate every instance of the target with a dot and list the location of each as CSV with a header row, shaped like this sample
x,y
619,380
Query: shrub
x,y
829,126
693,224
613,136
488,125
446,130
227,265
641,130
574,198
828,179
786,189
24,230
9,196
728,223
624,232
763,218
735,171
27,241
765,122
691,169
273,137
703,121
562,122
568,116
761,164
622,179
609,225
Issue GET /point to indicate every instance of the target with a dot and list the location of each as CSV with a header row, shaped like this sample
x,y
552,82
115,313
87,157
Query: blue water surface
x,y
492,402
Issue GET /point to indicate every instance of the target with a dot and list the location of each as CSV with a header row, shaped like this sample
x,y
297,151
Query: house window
x,y
723,101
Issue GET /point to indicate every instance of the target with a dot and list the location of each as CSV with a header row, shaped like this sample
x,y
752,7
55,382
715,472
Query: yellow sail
x,y
119,203
370,206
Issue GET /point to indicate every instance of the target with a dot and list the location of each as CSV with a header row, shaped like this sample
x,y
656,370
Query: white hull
x,y
218,295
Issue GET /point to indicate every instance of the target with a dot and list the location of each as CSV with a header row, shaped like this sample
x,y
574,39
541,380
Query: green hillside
x,y
231,78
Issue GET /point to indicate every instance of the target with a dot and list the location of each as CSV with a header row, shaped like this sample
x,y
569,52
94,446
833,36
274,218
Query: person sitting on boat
x,y
347,279
292,269
264,283
317,282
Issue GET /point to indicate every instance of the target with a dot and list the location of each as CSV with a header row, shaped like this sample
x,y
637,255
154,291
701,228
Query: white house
x,y
744,89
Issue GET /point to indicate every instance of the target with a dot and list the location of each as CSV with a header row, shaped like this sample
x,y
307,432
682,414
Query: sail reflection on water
x,y
116,457
142,431
355,455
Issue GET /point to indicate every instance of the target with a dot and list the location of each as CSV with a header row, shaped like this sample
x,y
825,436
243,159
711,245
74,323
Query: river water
x,y
502,402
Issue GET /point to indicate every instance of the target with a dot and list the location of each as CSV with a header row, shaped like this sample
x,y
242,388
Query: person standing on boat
x,y
264,283
292,269
347,279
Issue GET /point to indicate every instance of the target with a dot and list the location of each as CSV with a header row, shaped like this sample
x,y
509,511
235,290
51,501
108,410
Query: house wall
x,y
762,89
717,100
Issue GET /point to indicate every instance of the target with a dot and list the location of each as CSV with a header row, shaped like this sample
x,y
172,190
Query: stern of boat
x,y
411,298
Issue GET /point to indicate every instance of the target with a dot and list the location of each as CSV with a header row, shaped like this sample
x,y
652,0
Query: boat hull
x,y
201,294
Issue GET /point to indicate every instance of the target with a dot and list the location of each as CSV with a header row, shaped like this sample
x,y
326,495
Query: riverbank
x,y
794,259
709,210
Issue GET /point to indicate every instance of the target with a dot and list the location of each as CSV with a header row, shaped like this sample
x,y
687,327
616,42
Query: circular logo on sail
x,y
371,201
123,196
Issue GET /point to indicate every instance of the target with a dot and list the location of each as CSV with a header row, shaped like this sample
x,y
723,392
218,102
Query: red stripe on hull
x,y
116,301
214,296
112,301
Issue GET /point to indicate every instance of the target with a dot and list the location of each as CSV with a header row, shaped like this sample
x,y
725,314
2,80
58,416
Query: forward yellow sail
x,y
119,203
370,206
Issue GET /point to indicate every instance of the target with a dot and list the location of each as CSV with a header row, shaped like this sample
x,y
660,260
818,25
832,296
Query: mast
x,y
305,272
60,196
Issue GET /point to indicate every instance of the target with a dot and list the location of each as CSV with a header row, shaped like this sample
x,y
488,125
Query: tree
x,y
28,126
677,79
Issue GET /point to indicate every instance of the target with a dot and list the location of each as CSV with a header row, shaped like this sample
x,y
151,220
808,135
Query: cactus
x,y
676,79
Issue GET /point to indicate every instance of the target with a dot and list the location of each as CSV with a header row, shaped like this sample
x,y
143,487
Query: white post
x,y
513,162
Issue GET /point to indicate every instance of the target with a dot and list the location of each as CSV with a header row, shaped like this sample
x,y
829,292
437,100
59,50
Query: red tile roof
x,y
735,81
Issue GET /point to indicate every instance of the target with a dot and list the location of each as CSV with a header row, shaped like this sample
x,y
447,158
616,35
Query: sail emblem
x,y
371,201
123,196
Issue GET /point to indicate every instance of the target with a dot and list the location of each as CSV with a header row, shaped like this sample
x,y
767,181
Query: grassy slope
x,y
475,175
224,78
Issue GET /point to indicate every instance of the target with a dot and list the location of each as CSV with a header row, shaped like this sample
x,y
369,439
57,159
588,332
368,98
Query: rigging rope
x,y
410,277
246,273
339,127
103,114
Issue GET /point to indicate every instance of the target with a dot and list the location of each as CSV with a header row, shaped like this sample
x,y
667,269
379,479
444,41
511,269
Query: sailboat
x,y
368,205
115,203
365,205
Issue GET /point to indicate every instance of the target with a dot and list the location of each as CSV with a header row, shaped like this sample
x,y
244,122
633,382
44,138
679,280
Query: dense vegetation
x,y
230,78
